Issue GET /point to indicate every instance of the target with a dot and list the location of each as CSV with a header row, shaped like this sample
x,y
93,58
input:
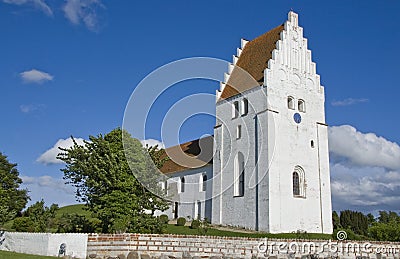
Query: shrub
x,y
203,227
195,224
181,221
24,224
164,218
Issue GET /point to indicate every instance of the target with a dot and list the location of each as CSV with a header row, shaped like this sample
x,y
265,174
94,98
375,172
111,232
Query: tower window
x,y
203,183
182,184
245,107
235,109
165,187
296,184
298,179
301,106
312,143
239,173
239,131
290,102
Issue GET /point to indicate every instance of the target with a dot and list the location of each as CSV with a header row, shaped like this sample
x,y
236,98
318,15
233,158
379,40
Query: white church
x,y
267,166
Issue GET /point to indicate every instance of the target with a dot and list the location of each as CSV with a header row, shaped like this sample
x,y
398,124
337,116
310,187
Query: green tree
x,y
12,199
74,223
335,220
385,231
383,217
371,219
24,224
37,218
355,221
105,170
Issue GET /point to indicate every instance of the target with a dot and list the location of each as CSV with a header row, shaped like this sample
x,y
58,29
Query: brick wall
x,y
151,245
174,245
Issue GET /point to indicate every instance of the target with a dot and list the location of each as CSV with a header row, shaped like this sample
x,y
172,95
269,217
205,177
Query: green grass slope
x,y
12,255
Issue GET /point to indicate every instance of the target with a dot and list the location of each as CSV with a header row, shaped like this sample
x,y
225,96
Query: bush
x,y
24,224
195,224
164,218
181,221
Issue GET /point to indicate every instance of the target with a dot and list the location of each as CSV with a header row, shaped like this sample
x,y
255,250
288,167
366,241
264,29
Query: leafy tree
x,y
355,221
12,199
388,216
385,231
383,217
371,219
335,220
105,170
24,224
36,218
74,223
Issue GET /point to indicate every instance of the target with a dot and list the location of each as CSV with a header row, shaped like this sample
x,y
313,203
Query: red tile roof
x,y
254,60
192,154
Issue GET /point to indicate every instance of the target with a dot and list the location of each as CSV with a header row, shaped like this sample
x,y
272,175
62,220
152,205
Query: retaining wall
x,y
180,246
146,246
44,243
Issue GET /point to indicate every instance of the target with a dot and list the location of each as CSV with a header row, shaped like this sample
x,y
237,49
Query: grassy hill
x,y
73,209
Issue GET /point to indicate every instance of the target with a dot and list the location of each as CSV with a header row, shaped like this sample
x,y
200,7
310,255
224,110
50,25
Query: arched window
x,y
296,184
204,182
239,173
182,184
245,106
301,106
290,102
299,186
235,109
165,187
238,131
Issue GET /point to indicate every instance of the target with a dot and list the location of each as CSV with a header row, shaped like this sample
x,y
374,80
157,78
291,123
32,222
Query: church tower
x,y
271,161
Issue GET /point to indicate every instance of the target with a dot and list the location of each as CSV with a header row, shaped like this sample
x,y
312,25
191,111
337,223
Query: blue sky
x,y
69,68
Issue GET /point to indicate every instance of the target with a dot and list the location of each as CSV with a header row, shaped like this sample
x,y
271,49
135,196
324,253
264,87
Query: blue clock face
x,y
297,117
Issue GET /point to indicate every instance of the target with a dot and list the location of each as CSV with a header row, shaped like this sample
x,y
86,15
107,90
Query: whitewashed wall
x,y
270,134
45,243
193,201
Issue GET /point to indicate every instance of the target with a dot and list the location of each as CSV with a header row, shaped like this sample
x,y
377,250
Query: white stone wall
x,y
193,201
292,73
45,243
231,210
273,144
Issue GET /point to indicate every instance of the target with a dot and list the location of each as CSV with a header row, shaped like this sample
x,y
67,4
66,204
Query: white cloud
x,y
363,149
366,168
27,179
349,101
77,11
50,156
38,4
152,142
28,108
35,76
50,189
370,188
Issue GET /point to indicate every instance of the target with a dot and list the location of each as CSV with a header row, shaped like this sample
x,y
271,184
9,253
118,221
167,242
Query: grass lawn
x,y
11,255
185,230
